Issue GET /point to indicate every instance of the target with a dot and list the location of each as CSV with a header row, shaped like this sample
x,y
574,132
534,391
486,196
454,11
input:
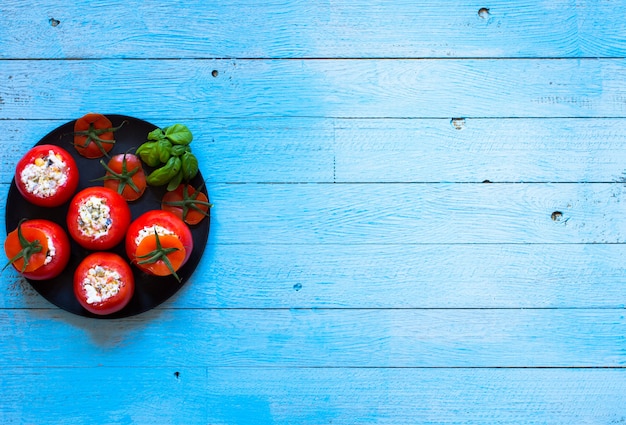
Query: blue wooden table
x,y
418,212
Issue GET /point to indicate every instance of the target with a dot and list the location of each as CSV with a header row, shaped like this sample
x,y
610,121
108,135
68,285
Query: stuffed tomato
x,y
47,176
103,283
98,218
159,243
38,249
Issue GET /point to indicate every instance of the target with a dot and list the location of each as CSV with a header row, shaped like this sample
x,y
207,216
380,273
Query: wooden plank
x,y
314,88
296,29
378,214
391,276
417,213
328,237
324,338
474,150
312,396
390,150
408,276
266,150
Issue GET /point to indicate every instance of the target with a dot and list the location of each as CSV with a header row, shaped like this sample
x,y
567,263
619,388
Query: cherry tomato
x,y
159,243
93,135
98,218
187,203
103,283
125,175
47,176
39,249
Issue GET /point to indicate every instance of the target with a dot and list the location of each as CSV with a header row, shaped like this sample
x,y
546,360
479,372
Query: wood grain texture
x,y
230,151
378,214
265,275
475,150
312,396
417,219
295,29
314,88
415,214
303,150
323,338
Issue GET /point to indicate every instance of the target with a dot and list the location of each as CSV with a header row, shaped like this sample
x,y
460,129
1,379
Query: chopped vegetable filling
x,y
149,230
43,177
51,251
94,217
101,283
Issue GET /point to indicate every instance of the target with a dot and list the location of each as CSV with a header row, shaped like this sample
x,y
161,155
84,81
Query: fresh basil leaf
x,y
189,165
164,174
173,184
165,150
149,154
179,134
156,134
178,150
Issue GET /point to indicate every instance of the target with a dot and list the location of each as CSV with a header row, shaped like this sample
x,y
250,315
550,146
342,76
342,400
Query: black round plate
x,y
150,291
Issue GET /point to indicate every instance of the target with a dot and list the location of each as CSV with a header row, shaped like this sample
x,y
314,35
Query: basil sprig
x,y
169,152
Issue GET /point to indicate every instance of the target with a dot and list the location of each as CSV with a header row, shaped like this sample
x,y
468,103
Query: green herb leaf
x,y
156,134
164,174
178,150
149,154
179,134
164,147
173,184
189,165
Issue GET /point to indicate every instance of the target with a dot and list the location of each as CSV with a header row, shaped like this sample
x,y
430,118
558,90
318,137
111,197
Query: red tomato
x,y
125,175
43,244
159,243
98,218
103,283
93,135
187,203
47,176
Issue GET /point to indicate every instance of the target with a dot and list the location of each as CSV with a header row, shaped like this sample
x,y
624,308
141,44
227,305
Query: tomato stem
x,y
125,177
28,248
190,201
93,135
159,253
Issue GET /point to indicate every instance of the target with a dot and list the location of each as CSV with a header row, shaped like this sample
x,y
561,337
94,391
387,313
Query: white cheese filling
x,y
44,177
51,251
101,283
94,217
149,230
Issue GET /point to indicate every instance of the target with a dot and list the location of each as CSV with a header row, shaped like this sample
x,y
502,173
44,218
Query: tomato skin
x,y
184,193
120,216
111,261
64,191
97,122
116,164
165,219
60,242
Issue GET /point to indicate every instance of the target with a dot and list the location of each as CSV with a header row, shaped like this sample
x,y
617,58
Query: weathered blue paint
x,y
295,29
321,88
418,212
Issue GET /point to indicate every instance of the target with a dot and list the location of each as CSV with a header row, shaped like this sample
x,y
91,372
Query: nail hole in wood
x,y
458,123
483,12
54,22
215,73
177,375
556,216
